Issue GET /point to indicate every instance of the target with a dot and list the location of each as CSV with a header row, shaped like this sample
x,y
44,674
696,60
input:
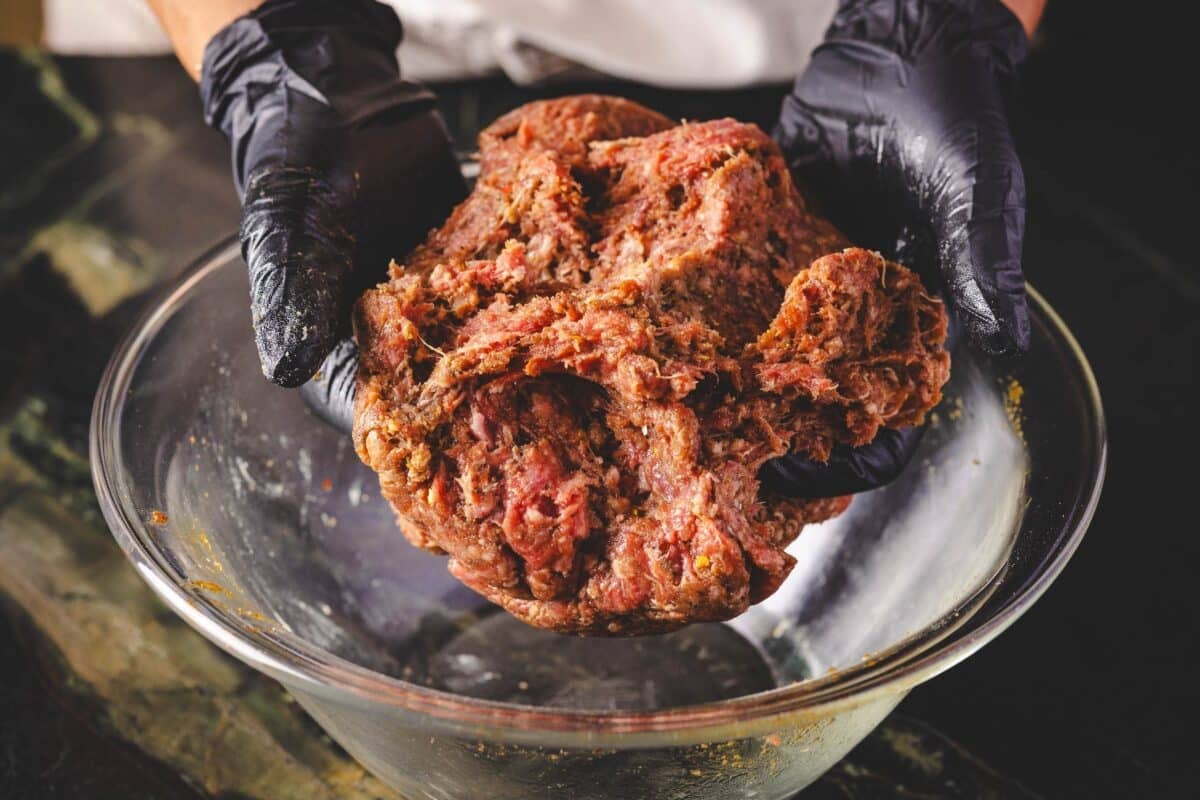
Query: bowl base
x,y
497,657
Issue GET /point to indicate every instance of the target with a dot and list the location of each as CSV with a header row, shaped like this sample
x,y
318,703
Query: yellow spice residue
x,y
1014,393
956,413
209,586
211,559
701,562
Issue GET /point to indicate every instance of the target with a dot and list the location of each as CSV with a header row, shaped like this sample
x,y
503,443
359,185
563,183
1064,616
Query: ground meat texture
x,y
569,388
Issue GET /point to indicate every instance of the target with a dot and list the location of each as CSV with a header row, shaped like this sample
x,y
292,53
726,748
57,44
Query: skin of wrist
x,y
190,25
1029,12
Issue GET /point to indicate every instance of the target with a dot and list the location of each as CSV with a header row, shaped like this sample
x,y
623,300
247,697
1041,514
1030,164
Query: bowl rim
x,y
904,665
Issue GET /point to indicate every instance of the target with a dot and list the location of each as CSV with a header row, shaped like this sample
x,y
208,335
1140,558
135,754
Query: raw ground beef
x,y
569,388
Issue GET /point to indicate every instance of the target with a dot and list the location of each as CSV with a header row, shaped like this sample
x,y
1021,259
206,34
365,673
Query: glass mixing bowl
x,y
260,527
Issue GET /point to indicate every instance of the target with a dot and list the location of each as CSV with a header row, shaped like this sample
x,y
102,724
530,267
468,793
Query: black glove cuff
x,y
912,27
302,65
304,37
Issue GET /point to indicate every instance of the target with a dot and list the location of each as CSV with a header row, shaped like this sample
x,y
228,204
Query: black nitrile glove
x,y
898,127
340,165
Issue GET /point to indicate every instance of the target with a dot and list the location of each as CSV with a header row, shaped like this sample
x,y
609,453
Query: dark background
x,y
1093,692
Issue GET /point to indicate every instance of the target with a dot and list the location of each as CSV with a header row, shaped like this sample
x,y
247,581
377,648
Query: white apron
x,y
675,43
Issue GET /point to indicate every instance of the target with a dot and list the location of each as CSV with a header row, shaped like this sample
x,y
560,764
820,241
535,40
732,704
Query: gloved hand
x,y
898,127
340,165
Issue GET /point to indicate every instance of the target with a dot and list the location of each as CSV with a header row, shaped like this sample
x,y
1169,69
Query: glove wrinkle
x,y
292,212
914,27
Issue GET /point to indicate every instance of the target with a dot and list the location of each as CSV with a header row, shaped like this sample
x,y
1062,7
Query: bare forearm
x,y
190,25
1028,11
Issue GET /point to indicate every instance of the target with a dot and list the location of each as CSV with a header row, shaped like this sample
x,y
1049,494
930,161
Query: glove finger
x,y
330,393
298,252
979,223
849,470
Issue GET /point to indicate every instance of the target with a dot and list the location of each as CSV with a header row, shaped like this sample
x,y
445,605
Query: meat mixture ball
x,y
569,388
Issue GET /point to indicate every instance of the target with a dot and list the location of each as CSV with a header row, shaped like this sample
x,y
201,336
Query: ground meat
x,y
569,388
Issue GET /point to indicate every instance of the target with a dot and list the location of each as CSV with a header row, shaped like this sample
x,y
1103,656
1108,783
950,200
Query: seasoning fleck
x,y
209,586
1014,393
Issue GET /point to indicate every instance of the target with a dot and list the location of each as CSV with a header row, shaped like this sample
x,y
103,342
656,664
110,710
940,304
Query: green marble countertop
x,y
110,183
